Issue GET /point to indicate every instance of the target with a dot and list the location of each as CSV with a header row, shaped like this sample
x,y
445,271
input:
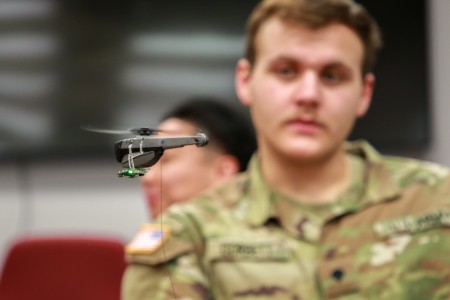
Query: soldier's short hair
x,y
316,14
228,128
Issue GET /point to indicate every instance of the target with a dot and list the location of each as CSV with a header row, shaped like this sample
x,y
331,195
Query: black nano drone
x,y
139,153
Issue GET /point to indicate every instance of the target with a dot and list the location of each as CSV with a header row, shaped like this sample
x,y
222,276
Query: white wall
x,y
439,150
86,197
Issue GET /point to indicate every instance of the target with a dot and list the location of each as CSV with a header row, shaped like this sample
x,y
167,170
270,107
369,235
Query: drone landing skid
x,y
142,160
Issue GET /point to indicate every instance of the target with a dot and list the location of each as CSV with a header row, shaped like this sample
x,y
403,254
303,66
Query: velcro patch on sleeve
x,y
149,239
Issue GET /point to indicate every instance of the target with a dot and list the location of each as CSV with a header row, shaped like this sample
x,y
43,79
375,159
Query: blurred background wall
x,y
113,65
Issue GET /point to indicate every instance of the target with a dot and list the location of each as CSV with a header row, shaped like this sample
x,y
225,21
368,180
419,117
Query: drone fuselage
x,y
145,151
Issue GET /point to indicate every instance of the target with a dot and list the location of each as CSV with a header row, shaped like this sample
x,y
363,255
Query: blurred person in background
x,y
184,172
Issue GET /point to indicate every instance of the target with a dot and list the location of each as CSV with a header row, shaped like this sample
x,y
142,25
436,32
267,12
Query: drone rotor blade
x,y
143,131
105,131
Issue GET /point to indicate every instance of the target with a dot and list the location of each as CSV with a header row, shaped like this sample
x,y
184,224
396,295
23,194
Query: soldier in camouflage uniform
x,y
314,217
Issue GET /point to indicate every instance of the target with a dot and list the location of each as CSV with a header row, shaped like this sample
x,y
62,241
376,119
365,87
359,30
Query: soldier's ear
x,y
366,95
227,166
242,81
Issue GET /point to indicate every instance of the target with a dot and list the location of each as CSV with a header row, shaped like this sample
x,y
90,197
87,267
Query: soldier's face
x,y
305,89
181,173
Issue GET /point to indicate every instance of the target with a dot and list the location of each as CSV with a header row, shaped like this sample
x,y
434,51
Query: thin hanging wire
x,y
161,224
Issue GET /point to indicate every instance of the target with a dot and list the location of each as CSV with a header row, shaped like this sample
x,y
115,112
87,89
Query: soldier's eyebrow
x,y
339,66
283,59
289,60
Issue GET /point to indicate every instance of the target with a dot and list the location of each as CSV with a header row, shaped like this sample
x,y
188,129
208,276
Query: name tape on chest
x,y
231,251
411,224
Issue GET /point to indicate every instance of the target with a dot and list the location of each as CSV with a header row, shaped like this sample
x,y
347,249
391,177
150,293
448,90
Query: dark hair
x,y
227,127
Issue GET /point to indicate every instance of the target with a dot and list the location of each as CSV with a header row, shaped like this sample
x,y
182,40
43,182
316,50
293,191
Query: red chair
x,y
63,268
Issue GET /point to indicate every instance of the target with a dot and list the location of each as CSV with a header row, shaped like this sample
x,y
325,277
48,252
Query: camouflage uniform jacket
x,y
386,237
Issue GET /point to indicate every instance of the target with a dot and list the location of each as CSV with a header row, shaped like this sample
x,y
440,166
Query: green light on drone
x,y
131,173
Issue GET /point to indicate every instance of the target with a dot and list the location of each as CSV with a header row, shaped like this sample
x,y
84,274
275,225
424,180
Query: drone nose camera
x,y
138,154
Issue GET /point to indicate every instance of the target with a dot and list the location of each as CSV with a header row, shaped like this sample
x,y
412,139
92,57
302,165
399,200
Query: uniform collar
x,y
380,184
266,204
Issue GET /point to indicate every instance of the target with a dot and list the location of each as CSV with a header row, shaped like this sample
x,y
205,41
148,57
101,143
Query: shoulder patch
x,y
149,238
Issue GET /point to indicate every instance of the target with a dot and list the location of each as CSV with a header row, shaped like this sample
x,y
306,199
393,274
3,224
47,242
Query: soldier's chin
x,y
307,155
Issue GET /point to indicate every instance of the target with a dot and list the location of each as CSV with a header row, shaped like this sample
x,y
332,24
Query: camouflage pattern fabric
x,y
386,237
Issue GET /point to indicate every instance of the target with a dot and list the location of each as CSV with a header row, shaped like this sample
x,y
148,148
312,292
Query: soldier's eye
x,y
334,76
285,71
